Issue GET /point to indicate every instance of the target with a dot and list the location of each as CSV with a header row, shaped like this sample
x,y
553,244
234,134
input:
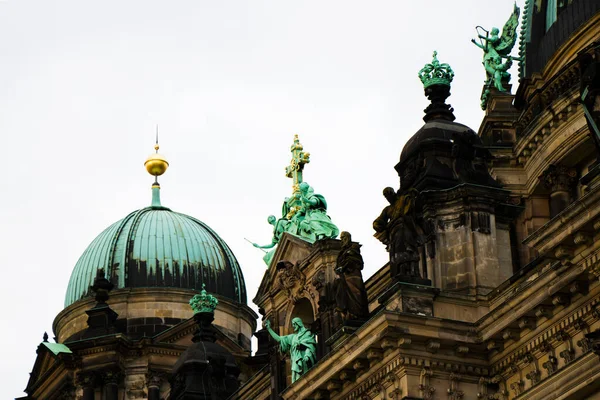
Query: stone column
x,y
87,382
560,181
154,387
111,385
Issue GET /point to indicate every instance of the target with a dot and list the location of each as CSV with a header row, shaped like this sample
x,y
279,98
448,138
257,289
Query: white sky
x,y
83,83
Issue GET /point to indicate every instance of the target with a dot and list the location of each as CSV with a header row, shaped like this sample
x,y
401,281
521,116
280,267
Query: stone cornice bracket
x,y
424,383
347,375
564,254
404,342
560,299
582,238
334,386
526,323
360,366
569,352
432,346
374,356
594,341
510,334
543,312
461,351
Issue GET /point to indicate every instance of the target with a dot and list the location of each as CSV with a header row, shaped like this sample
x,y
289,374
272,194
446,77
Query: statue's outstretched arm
x,y
266,246
271,332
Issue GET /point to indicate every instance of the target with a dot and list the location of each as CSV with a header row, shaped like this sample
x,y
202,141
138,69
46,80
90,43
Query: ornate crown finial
x,y
203,302
436,73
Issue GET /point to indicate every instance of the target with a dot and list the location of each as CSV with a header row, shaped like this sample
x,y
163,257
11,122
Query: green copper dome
x,y
156,247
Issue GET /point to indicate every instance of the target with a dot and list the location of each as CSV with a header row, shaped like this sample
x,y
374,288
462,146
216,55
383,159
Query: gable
x,y
50,358
290,248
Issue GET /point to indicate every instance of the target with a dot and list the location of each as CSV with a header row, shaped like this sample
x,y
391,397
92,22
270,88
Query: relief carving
x,y
290,279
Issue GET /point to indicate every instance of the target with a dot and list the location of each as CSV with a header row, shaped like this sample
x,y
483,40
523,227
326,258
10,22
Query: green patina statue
x,y
304,214
496,53
203,302
301,345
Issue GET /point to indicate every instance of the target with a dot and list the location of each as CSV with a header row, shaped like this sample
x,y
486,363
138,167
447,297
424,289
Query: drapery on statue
x,y
350,294
496,49
397,224
311,218
301,345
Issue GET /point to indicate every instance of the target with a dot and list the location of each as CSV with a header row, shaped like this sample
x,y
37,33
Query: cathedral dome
x,y
157,247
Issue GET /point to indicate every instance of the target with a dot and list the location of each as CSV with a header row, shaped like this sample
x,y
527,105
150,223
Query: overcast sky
x,y
83,83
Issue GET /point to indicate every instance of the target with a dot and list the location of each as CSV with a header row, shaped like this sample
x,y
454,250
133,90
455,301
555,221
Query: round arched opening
x,y
303,309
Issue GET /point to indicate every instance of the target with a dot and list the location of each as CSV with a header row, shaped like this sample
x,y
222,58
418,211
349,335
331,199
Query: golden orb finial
x,y
156,164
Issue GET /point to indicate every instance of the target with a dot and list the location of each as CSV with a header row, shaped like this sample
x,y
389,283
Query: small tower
x,y
448,223
206,370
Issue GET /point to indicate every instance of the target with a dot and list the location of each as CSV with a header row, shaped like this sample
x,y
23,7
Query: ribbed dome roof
x,y
156,247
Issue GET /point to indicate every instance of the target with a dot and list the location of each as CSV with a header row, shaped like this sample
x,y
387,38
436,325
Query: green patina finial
x,y
436,73
203,302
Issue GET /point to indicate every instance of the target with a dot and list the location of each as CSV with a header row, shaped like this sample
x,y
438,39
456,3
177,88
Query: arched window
x,y
303,309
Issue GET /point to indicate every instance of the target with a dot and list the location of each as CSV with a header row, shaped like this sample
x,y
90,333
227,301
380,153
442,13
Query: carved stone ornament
x,y
559,178
551,365
290,279
517,387
453,392
427,390
318,281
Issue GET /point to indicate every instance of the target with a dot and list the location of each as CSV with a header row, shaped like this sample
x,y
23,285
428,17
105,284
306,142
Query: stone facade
x,y
497,296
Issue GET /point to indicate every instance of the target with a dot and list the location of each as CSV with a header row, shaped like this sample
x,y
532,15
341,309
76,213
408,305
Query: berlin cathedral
x,y
491,290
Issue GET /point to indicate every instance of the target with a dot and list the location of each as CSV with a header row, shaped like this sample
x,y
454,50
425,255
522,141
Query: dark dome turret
x,y
443,153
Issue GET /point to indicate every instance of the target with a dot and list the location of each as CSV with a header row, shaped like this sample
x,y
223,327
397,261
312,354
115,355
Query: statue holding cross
x,y
294,171
304,214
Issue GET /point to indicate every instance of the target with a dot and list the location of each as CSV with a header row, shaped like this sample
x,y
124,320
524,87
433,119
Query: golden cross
x,y
294,170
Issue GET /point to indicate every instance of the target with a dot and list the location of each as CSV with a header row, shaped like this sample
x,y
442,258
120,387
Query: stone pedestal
x,y
409,298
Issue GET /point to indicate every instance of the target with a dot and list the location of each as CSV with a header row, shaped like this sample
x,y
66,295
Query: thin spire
x,y
156,147
156,165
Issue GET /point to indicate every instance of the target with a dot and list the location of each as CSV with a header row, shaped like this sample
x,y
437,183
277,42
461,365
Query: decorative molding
x,y
517,387
290,279
395,383
453,392
555,334
427,390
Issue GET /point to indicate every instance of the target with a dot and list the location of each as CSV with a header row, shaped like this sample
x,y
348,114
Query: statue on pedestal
x,y
301,345
350,294
496,53
398,226
304,214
